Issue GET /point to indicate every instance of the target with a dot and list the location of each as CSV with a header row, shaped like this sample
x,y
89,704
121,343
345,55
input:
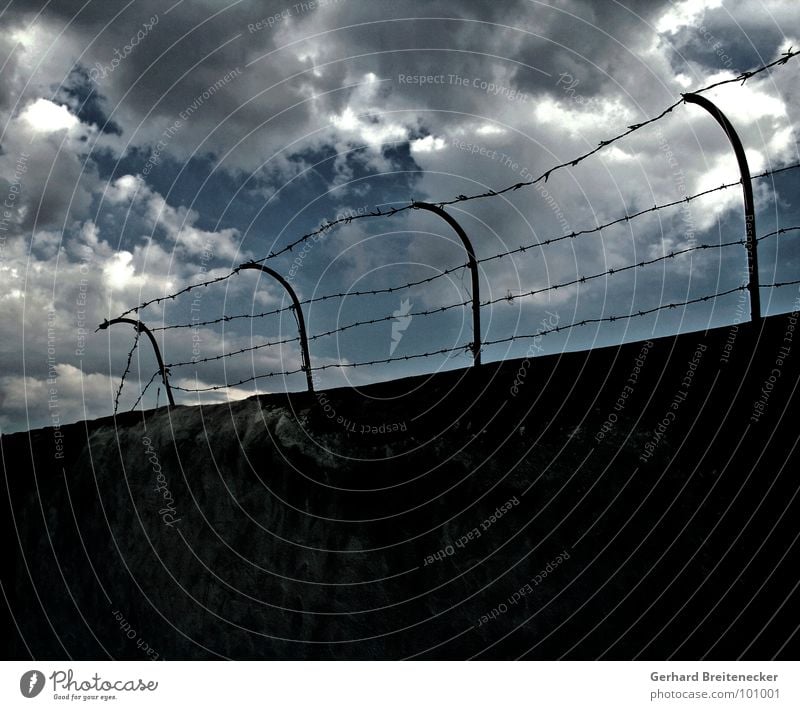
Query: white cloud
x,y
361,130
427,144
177,224
581,119
119,272
44,116
489,130
124,189
749,103
684,13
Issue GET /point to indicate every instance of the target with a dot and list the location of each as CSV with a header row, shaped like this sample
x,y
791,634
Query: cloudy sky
x,y
146,147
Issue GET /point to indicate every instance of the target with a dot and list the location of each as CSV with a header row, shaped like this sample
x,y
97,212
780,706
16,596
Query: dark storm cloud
x,y
79,93
515,45
731,37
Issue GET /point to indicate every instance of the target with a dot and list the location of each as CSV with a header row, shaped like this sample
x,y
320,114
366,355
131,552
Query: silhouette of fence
x,y
750,242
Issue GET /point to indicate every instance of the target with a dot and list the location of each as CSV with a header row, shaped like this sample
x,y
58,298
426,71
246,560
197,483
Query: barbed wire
x,y
127,369
613,319
141,394
381,319
635,215
172,296
612,271
223,319
318,368
234,352
317,336
517,250
552,287
317,299
508,297
778,232
780,284
215,388
466,347
742,77
442,309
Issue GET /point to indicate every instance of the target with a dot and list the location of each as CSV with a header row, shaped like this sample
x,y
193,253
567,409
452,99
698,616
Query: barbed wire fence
x,y
474,301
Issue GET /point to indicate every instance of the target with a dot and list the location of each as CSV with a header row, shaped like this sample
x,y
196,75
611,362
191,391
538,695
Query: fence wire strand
x,y
517,250
743,77
466,347
614,319
141,394
127,369
441,309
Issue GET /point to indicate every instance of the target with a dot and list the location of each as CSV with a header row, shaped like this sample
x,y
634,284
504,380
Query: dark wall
x,y
343,525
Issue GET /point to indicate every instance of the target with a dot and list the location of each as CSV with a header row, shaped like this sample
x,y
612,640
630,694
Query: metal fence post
x,y
298,314
473,267
142,328
749,205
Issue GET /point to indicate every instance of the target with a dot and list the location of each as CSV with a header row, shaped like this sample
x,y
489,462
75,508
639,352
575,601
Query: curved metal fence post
x,y
142,328
298,314
749,205
473,267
